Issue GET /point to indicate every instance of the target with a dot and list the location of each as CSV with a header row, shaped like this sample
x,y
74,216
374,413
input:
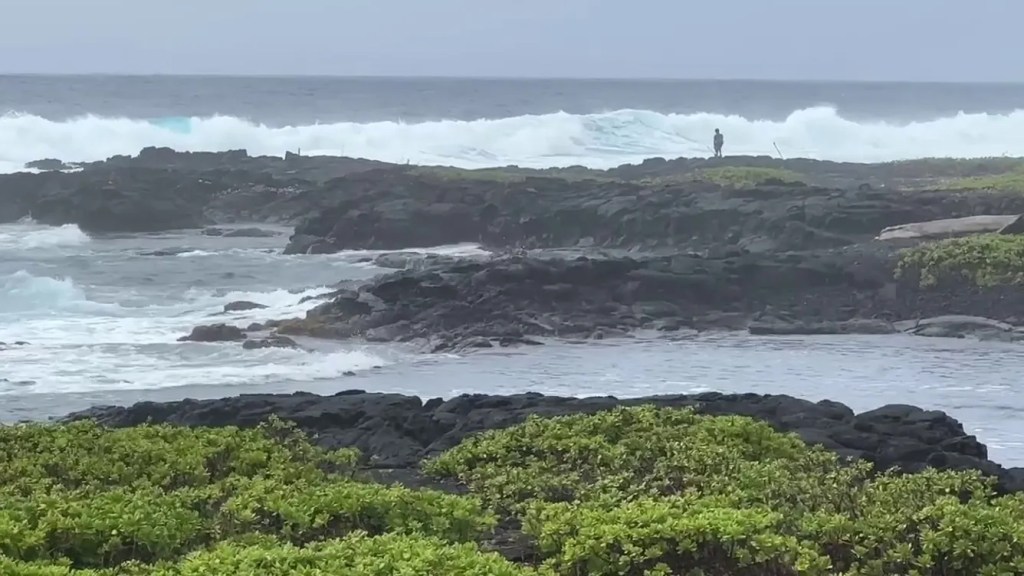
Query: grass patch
x,y
985,260
507,174
1010,181
626,492
746,177
959,167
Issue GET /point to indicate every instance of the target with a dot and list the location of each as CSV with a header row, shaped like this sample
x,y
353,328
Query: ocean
x,y
101,315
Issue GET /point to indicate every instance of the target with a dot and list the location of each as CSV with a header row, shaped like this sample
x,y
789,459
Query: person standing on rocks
x,y
718,141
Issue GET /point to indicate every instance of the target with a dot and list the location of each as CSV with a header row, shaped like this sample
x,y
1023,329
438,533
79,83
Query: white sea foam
x,y
78,344
29,236
597,140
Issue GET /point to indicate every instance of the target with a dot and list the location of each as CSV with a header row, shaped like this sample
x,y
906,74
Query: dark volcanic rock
x,y
239,232
1015,227
242,305
214,333
130,200
780,327
392,209
161,189
455,305
350,203
396,431
48,164
275,341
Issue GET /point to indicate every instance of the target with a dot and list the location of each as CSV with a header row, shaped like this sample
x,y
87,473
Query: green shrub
x,y
325,510
355,555
10,567
665,536
631,491
34,457
985,260
663,491
627,452
96,497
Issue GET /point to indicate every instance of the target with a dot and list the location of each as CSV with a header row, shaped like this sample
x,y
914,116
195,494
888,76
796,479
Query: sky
x,y
888,40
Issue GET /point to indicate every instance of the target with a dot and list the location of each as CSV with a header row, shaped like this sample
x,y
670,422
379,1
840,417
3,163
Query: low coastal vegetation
x,y
1012,180
985,260
507,174
630,491
728,176
747,176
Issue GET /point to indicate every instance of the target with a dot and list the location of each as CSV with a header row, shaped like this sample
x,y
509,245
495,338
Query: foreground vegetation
x,y
984,260
637,491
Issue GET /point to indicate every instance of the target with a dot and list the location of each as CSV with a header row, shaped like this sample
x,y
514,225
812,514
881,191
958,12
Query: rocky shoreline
x,y
770,246
395,432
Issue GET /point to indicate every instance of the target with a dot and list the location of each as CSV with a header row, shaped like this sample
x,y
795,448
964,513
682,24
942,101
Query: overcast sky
x,y
958,40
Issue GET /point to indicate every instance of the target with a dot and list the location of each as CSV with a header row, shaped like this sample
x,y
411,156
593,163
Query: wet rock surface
x,y
214,333
506,300
275,341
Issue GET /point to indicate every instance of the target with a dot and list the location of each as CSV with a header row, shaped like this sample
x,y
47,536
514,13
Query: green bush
x,y
355,555
96,497
660,491
35,457
666,536
985,260
631,491
328,509
645,451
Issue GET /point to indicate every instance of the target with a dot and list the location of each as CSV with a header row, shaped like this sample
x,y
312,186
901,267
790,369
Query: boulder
x,y
214,333
243,305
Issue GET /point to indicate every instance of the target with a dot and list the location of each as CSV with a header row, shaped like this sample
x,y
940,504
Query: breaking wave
x,y
559,139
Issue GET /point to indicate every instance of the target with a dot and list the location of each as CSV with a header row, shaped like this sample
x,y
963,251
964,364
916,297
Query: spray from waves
x,y
22,294
109,368
26,295
558,139
104,346
27,235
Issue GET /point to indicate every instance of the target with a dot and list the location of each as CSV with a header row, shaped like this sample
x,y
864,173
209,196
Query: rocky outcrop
x,y
396,431
773,326
243,305
509,298
1015,227
392,210
161,189
249,232
274,341
311,168
350,203
214,333
129,200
